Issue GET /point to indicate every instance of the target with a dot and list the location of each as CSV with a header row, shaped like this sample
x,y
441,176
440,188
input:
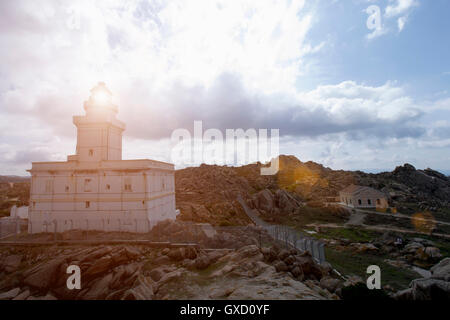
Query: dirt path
x,y
380,228
356,219
398,215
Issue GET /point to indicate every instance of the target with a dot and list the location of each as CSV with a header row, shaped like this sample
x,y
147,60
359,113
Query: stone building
x,y
95,189
363,197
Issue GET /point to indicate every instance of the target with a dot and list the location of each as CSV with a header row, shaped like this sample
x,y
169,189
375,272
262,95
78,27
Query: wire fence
x,y
292,238
10,227
287,235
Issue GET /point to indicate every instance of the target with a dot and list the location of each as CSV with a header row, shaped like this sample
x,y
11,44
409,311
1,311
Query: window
x,y
350,201
88,204
87,185
359,202
369,202
91,152
67,188
49,186
108,187
127,185
34,204
378,202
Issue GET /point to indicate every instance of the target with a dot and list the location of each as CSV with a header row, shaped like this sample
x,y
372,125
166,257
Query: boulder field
x,y
124,272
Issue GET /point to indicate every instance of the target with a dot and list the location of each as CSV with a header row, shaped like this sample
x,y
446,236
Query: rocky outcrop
x,y
441,271
137,272
11,263
437,287
9,294
208,193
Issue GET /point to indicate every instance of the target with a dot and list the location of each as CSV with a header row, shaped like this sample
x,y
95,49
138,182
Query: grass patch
x,y
349,263
308,215
352,234
442,214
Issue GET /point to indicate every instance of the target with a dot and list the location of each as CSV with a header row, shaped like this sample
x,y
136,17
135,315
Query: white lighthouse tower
x,y
95,189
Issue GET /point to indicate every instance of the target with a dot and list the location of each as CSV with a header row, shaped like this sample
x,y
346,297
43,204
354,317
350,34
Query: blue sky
x,y
418,56
341,94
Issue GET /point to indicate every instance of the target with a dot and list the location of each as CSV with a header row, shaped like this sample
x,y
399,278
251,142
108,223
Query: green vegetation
x,y
307,215
18,194
374,219
409,208
349,263
443,214
352,234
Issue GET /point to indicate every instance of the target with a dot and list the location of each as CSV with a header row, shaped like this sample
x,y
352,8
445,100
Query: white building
x,y
19,212
95,189
363,197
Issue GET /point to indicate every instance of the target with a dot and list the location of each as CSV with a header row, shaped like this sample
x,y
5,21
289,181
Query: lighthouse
x,y
95,189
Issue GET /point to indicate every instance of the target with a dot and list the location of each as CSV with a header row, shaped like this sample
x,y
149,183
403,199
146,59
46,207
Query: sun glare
x,y
100,95
101,98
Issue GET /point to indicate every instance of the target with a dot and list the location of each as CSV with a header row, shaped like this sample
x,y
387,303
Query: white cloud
x,y
399,7
377,33
396,12
56,51
229,63
401,23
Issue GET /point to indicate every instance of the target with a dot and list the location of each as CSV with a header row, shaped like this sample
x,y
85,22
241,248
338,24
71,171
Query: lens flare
x,y
423,222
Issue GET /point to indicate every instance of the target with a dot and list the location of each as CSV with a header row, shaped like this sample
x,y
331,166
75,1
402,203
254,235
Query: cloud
x,y
401,23
399,7
355,109
232,64
377,33
397,11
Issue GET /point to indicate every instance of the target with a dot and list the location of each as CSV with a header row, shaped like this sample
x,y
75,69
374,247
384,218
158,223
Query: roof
x,y
135,164
354,189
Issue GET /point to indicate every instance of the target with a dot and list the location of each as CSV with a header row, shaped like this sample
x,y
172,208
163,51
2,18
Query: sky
x,y
354,85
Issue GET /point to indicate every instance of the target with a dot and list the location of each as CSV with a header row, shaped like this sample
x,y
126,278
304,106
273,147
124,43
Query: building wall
x,y
96,143
119,200
364,199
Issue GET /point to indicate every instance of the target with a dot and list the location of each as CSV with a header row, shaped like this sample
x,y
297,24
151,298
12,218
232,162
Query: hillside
x,y
208,193
14,190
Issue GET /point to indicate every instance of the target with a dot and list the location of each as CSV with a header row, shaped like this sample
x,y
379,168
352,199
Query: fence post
x,y
322,253
316,253
309,246
286,237
54,230
294,240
